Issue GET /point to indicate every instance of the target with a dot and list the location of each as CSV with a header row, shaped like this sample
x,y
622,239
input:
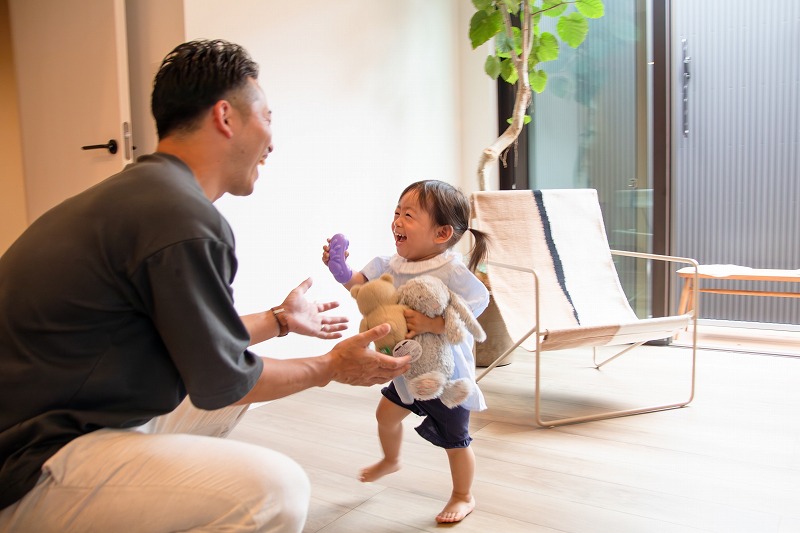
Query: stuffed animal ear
x,y
354,290
471,323
453,326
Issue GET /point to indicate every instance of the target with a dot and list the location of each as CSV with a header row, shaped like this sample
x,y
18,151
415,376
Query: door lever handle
x,y
685,89
111,146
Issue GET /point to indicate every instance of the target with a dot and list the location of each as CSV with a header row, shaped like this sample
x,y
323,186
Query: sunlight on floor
x,y
738,339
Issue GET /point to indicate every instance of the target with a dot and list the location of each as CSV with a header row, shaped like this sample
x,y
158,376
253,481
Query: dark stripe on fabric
x,y
551,245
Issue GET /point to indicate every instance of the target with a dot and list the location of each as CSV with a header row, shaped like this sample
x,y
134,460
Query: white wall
x,y
154,28
367,96
13,210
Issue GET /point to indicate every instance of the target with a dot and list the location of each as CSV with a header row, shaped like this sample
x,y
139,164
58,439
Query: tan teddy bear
x,y
377,301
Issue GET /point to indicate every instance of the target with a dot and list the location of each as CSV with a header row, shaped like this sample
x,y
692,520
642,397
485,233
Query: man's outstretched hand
x,y
353,361
306,318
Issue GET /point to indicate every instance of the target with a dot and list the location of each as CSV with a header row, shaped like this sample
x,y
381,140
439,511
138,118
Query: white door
x,y
71,64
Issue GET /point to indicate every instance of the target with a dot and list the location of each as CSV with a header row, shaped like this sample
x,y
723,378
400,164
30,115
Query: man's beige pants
x,y
173,474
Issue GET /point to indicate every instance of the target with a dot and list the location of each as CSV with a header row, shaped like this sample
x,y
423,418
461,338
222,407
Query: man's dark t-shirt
x,y
114,305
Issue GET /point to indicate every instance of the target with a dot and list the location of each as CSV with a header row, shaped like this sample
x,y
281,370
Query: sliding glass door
x,y
591,128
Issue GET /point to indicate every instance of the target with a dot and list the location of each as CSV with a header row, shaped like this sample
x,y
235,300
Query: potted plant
x,y
521,45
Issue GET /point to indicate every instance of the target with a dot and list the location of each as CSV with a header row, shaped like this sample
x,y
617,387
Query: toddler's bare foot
x,y
456,509
378,470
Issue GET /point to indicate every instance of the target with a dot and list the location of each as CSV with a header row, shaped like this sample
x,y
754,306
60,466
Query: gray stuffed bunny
x,y
429,375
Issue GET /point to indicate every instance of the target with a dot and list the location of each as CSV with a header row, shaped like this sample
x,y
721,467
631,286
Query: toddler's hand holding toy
x,y
335,257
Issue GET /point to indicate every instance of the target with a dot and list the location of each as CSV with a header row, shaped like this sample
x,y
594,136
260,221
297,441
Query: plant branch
x,y
527,37
551,7
522,99
520,62
509,33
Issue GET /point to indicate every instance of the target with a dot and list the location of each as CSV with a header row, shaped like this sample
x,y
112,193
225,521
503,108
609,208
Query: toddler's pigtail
x,y
480,250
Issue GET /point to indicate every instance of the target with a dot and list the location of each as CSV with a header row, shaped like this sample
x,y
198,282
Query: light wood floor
x,y
729,462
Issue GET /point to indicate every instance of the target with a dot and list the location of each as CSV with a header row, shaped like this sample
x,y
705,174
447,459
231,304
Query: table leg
x,y
687,296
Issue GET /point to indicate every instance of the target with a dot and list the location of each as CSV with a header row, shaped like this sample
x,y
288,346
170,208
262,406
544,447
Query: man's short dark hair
x,y
195,76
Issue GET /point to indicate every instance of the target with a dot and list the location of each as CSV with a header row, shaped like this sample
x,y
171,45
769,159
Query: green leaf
x,y
572,29
512,6
504,44
525,120
593,9
548,6
508,71
517,32
547,48
538,80
483,26
492,67
482,5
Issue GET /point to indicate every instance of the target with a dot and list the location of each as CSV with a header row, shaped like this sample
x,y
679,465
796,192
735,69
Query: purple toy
x,y
337,262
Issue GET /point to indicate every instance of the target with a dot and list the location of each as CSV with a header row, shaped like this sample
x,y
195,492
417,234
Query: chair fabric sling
x,y
556,240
